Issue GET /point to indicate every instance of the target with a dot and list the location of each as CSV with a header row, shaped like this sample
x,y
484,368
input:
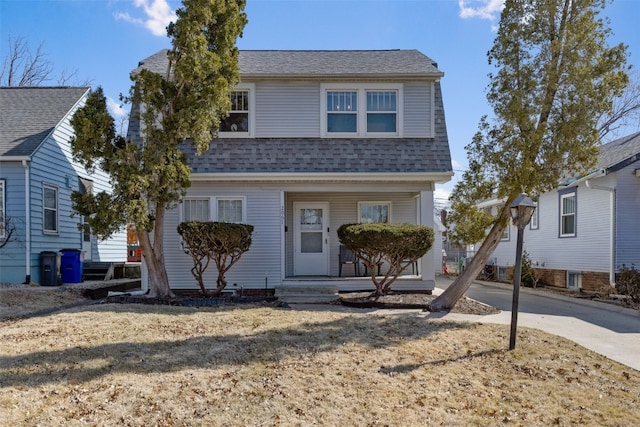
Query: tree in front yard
x,y
556,78
184,104
399,245
221,241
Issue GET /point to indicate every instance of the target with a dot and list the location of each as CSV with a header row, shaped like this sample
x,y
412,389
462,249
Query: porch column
x,y
426,262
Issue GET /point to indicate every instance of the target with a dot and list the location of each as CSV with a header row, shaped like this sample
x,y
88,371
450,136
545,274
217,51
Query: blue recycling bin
x,y
71,265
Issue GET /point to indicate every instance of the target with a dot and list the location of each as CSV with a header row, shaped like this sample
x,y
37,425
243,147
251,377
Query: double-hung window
x,y
50,209
358,110
241,116
225,209
372,212
2,209
568,211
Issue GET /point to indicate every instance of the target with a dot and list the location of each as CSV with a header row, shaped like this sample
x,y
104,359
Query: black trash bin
x,y
71,265
49,268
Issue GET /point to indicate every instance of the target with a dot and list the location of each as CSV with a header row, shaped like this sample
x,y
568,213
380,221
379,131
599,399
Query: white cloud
x,y
158,15
483,9
116,109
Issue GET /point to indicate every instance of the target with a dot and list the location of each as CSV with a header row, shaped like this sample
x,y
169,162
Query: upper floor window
x,y
568,211
371,212
361,110
2,209
241,116
50,209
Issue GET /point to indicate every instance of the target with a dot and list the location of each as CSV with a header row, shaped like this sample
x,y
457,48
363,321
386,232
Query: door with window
x,y
311,239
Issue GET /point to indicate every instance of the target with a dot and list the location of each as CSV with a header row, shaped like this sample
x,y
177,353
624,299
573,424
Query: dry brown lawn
x,y
141,365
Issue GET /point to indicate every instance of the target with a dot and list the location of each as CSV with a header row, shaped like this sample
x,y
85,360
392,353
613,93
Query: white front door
x,y
311,239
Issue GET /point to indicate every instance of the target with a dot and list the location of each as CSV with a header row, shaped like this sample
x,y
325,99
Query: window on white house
x,y
568,214
381,111
50,209
2,209
196,209
505,233
372,212
230,209
342,111
361,110
239,123
533,224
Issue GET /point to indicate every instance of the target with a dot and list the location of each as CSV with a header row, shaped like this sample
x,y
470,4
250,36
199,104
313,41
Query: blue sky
x,y
103,40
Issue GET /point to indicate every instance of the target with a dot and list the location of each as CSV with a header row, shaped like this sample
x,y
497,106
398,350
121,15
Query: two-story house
x,y
37,176
316,139
584,231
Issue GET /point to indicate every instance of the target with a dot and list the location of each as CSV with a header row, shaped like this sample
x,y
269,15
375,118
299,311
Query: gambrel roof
x,y
29,114
321,63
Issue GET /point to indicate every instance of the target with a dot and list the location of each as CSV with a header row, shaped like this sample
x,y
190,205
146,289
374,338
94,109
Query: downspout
x,y
612,227
27,214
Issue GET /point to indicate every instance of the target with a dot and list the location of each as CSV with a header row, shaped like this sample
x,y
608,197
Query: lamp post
x,y
521,211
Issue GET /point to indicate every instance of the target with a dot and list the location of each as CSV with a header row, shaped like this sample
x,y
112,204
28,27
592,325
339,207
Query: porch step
x,y
296,294
96,270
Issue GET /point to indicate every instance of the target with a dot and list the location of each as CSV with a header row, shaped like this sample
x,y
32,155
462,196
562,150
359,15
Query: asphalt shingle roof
x,y
29,114
622,150
321,63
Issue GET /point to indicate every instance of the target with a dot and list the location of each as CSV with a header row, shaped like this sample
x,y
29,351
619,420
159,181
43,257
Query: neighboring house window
x,y
568,210
230,209
2,209
370,212
505,233
574,280
241,116
50,209
195,210
361,110
533,224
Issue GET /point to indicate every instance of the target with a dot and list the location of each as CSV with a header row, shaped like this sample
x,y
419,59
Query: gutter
x,y
27,214
273,177
612,228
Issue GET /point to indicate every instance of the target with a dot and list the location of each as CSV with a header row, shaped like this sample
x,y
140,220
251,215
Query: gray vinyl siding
x,y
418,112
287,110
628,217
292,109
12,269
263,211
343,209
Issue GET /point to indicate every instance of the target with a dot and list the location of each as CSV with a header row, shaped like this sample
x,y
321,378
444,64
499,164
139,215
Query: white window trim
x,y
506,233
57,209
534,224
243,199
204,199
562,215
578,275
251,88
374,203
361,126
3,208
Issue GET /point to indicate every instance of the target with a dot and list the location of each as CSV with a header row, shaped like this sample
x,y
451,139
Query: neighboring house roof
x,y
619,153
29,114
321,63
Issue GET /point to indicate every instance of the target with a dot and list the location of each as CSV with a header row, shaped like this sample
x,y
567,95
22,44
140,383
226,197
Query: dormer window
x,y
361,110
240,119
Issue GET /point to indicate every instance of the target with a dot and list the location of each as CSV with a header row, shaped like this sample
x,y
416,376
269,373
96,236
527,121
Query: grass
x,y
135,365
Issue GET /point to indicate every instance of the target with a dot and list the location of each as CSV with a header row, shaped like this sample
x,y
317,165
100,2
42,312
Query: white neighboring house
x,y
314,140
583,232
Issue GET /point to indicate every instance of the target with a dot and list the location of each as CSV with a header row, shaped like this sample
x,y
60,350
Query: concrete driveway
x,y
604,328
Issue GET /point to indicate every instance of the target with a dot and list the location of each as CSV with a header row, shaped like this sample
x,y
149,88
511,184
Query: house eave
x,y
409,177
14,158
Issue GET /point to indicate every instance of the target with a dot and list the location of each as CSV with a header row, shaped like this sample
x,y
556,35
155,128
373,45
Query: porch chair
x,y
348,257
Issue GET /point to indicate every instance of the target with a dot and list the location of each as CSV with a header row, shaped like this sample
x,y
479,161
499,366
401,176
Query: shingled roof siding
x,y
321,155
321,63
620,152
29,114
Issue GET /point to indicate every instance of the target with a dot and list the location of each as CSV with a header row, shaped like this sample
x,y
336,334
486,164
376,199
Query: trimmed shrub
x,y
400,245
222,242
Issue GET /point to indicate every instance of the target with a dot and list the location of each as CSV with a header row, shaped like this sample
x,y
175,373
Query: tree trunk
x,y
459,287
158,279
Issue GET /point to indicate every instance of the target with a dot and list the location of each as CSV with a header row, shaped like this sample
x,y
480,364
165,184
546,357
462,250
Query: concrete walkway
x,y
605,328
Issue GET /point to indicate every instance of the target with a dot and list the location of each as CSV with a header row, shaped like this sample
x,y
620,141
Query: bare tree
x,y
625,112
21,66
8,231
